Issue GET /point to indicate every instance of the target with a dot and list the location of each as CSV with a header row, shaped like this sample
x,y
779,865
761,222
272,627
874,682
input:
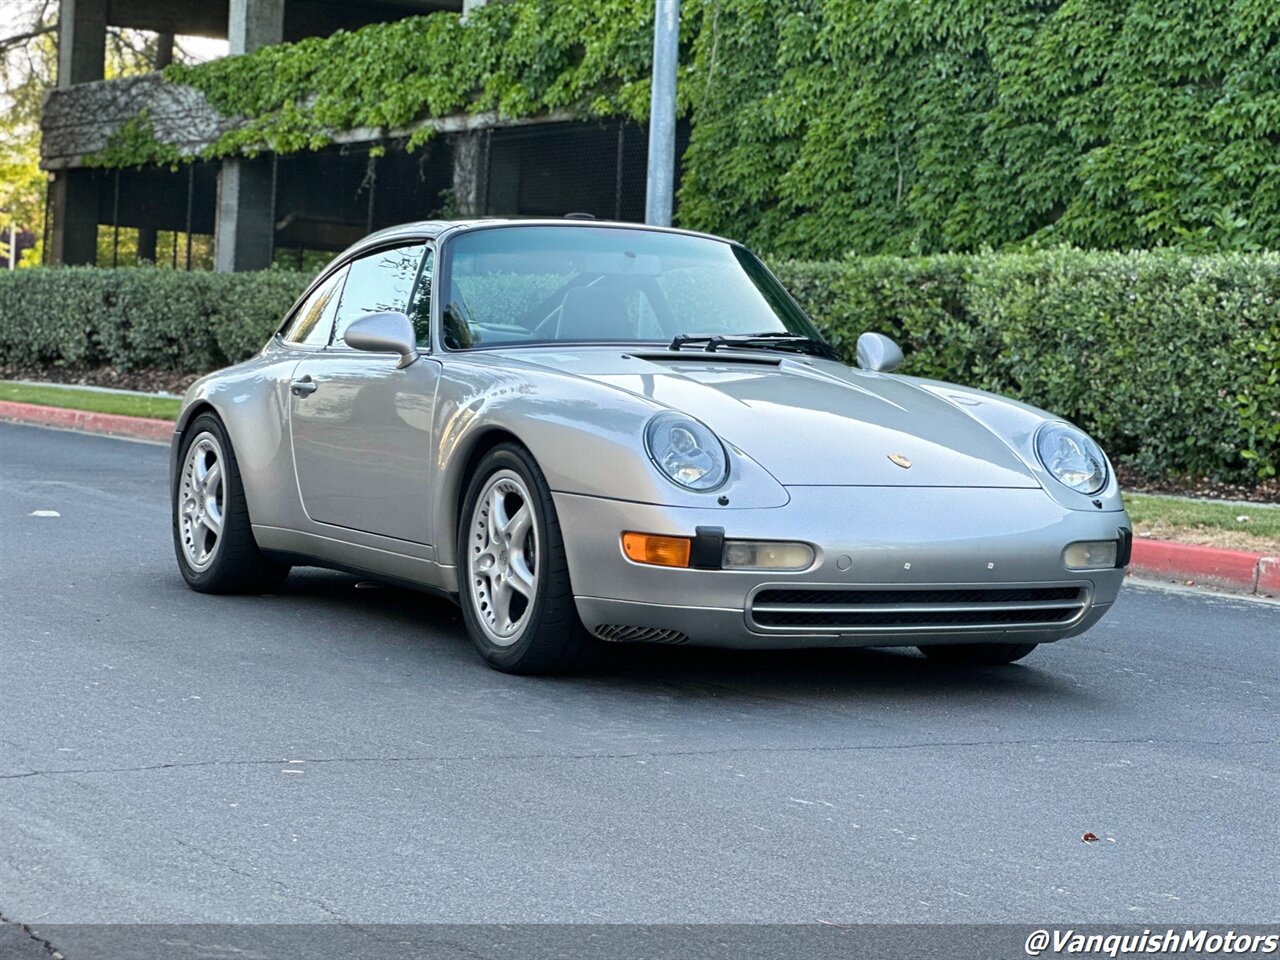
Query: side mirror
x,y
388,332
879,353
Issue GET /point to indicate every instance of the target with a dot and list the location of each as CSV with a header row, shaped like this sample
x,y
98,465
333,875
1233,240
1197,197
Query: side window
x,y
312,321
379,281
420,306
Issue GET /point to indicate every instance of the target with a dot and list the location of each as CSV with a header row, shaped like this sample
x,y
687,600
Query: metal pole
x,y
617,171
48,222
115,223
662,114
191,189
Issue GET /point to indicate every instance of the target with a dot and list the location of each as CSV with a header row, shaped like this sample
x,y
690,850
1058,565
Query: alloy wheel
x,y
502,557
202,501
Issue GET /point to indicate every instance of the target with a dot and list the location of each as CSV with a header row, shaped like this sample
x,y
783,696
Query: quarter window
x,y
313,320
377,282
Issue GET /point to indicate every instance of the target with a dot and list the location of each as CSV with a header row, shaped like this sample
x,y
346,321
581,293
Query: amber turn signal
x,y
659,551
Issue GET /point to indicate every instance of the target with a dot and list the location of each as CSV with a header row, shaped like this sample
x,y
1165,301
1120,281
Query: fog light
x,y
657,550
766,555
1090,555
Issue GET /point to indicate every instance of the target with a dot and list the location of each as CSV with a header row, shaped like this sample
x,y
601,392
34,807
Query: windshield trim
x,y
444,265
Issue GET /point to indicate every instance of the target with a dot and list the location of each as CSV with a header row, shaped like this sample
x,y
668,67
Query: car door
x,y
361,429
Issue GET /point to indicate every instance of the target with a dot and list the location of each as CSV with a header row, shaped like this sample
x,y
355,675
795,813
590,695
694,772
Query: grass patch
x,y
1206,522
125,404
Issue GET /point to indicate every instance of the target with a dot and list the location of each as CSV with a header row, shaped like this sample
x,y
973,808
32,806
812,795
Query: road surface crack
x,y
32,935
658,754
232,868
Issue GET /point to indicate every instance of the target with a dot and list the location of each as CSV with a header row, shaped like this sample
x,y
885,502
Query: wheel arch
x,y
193,411
456,481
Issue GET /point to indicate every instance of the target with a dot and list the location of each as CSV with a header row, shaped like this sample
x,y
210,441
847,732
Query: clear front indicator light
x,y
766,555
1091,555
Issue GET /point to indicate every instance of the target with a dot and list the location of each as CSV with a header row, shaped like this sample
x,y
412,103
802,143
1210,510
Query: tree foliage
x,y
28,70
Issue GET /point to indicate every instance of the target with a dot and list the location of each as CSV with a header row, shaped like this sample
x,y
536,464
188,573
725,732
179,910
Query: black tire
x,y
552,638
235,565
978,654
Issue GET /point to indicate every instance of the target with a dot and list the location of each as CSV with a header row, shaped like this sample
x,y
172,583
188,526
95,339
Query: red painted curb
x,y
140,428
1268,576
1251,572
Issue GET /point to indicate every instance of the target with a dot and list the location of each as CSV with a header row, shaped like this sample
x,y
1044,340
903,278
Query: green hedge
x,y
139,319
1171,361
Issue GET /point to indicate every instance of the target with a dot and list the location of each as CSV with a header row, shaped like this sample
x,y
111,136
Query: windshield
x,y
556,284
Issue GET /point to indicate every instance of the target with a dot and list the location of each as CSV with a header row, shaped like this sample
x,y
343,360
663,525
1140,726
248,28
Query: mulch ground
x,y
167,381
148,381
1264,491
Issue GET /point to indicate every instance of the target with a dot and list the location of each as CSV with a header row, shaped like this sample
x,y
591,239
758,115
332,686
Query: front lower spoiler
x,y
873,537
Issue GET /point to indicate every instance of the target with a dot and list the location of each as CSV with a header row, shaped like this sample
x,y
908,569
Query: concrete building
x,y
273,207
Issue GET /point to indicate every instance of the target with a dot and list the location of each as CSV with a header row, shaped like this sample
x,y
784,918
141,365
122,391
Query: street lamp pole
x,y
659,195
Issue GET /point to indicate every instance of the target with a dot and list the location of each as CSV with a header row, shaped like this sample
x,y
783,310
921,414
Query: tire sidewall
x,y
505,457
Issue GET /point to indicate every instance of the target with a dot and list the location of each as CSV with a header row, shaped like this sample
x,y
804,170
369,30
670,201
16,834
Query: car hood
x,y
811,422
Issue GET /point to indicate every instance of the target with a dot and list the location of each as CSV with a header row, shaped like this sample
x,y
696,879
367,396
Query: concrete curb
x,y
1234,569
116,425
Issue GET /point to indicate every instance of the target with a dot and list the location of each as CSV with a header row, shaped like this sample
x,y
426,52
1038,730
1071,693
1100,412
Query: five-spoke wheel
x,y
212,533
502,563
203,500
512,572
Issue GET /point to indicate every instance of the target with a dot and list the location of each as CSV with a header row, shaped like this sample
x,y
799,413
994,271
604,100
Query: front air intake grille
x,y
874,609
617,633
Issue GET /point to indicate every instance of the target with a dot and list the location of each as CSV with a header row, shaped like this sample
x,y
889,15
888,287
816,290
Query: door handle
x,y
303,387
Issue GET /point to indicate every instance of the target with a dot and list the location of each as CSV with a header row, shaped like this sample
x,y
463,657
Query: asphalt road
x,y
338,752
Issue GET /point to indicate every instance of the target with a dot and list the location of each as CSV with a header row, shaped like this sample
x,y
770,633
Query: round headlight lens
x,y
686,451
1072,457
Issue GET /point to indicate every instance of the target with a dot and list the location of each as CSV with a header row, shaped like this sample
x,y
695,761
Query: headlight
x,y
686,451
1072,458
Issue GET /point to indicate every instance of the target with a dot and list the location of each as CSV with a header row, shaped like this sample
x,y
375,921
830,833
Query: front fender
x,y
251,400
1016,424
587,437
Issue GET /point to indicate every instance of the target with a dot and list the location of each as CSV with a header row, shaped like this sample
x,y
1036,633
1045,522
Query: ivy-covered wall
x,y
917,126
822,127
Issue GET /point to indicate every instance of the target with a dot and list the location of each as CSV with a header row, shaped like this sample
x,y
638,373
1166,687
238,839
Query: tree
x,y
28,69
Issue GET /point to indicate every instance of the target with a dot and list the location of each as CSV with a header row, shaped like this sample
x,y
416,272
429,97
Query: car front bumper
x,y
942,542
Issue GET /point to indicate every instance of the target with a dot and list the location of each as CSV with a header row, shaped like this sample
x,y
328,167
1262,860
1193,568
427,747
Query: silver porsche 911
x,y
587,431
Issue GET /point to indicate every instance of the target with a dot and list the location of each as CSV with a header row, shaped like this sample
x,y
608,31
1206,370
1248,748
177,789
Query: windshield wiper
x,y
771,340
